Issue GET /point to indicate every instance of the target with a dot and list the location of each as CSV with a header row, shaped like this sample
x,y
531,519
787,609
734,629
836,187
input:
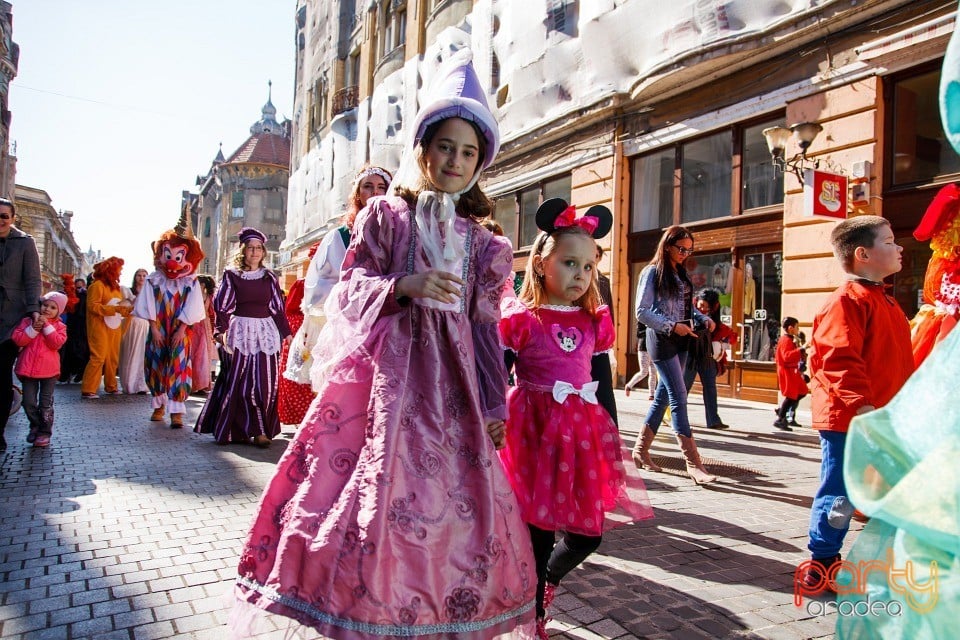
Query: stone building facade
x,y
9,58
59,252
665,128
246,189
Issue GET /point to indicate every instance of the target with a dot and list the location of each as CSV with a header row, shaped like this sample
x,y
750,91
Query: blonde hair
x,y
533,291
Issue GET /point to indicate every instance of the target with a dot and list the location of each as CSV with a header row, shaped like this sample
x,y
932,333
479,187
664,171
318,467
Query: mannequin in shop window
x,y
749,306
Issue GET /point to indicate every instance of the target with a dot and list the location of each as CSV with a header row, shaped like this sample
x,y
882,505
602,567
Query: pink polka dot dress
x,y
563,453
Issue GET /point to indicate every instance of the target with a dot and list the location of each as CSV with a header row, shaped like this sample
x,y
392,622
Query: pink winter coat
x,y
40,357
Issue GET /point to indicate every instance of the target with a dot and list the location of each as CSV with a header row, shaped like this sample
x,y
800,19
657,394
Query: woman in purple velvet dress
x,y
389,514
251,327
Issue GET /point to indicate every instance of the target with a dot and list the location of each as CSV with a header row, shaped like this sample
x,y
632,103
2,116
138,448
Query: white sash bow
x,y
436,215
563,389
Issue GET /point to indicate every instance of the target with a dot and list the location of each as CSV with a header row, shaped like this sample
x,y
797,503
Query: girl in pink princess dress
x,y
563,452
388,514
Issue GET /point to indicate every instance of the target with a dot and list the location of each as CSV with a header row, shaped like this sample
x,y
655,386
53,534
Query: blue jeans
x,y
38,404
831,510
708,380
670,391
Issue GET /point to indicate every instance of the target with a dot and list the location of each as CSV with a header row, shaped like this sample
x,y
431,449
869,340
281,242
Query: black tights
x,y
789,407
556,561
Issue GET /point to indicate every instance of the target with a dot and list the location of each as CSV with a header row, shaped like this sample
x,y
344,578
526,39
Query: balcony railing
x,y
346,99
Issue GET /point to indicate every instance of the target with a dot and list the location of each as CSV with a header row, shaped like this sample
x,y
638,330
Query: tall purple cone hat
x,y
455,92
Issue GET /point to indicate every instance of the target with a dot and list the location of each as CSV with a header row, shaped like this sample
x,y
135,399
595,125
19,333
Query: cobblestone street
x,y
127,529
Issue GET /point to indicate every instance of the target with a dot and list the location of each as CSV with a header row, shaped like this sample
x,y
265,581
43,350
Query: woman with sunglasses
x,y
665,306
19,297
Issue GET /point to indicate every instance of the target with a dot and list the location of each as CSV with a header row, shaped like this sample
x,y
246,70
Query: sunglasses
x,y
683,250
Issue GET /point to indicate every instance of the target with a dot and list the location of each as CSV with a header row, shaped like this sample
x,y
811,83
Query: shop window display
x,y
712,270
762,288
715,271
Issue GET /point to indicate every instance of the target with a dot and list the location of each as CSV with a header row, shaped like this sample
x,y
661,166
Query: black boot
x,y
781,421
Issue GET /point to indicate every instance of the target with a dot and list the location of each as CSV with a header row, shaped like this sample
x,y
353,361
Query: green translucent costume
x,y
902,468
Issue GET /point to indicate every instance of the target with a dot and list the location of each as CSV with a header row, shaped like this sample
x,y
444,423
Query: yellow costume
x,y
104,315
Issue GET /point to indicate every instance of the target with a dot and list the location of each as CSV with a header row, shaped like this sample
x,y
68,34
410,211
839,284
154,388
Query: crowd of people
x,y
423,494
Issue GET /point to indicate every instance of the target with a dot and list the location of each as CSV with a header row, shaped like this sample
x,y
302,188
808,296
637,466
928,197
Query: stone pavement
x,y
127,529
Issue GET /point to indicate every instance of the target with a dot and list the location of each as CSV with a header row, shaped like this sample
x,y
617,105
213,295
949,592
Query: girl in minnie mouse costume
x,y
562,452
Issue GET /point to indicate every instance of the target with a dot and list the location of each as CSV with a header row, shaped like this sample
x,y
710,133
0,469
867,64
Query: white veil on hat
x,y
455,92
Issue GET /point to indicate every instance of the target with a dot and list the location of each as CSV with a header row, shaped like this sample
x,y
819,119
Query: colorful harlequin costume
x,y
171,301
941,284
104,317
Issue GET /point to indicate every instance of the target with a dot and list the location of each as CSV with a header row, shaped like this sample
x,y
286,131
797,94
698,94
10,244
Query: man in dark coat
x,y
19,296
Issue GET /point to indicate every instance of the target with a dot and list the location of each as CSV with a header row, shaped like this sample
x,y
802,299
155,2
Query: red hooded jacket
x,y
789,378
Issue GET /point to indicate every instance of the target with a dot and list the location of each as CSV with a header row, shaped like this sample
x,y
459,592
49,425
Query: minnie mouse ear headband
x,y
249,233
555,214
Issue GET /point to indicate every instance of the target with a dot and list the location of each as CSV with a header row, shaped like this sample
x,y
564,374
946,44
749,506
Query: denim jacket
x,y
661,314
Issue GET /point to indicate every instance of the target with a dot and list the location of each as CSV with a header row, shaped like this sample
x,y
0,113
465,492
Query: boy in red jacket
x,y
789,379
860,358
38,365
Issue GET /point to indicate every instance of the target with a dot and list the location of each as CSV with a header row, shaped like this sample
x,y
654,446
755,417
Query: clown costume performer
x,y
940,226
171,301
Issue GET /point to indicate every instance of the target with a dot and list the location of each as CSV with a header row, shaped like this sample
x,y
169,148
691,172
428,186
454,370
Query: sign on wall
x,y
824,194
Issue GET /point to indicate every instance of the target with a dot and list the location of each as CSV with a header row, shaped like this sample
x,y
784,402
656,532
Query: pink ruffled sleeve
x,y
515,324
606,335
493,269
366,283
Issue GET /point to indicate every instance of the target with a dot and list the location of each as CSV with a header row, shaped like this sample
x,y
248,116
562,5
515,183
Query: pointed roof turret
x,y
269,141
268,109
268,116
220,158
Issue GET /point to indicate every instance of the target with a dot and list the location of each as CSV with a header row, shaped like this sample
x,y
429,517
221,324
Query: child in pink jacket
x,y
38,365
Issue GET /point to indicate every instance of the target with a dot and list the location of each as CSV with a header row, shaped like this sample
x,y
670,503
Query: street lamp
x,y
777,138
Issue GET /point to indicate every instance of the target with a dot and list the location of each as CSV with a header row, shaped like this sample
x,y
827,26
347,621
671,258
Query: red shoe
x,y
42,441
549,593
815,574
860,516
542,629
